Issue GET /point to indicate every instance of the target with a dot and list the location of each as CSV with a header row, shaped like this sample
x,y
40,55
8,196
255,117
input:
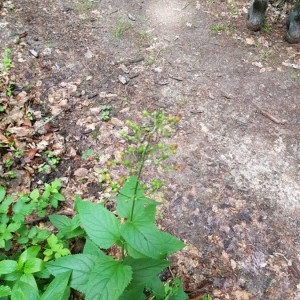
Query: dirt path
x,y
235,199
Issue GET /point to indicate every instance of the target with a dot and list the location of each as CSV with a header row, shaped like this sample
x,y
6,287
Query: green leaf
x,y
52,240
99,223
80,264
177,291
12,227
5,204
133,292
92,248
2,193
148,240
34,195
145,269
31,252
4,291
8,266
59,221
58,197
156,287
58,288
108,280
14,276
87,153
33,265
29,278
144,208
24,291
69,228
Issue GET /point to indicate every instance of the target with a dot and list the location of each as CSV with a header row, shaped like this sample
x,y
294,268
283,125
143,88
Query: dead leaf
x,y
20,131
30,154
81,172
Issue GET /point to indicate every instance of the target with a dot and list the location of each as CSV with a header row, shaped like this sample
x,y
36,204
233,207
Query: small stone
x,y
34,53
122,79
131,17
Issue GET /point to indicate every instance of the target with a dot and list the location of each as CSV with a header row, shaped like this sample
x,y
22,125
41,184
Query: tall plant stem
x,y
139,174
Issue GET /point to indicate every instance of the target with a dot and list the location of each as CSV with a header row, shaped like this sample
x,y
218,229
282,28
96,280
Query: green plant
x,y
10,5
294,76
157,184
234,10
19,153
206,297
149,60
216,28
140,248
52,161
265,54
122,27
55,248
106,113
2,108
84,5
6,61
9,91
20,278
8,163
87,153
174,290
124,252
266,27
13,215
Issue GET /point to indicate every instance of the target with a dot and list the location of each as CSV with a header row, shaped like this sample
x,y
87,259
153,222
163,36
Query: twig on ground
x,y
271,117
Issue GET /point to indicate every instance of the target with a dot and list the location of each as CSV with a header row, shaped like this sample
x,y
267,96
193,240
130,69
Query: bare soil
x,y
234,197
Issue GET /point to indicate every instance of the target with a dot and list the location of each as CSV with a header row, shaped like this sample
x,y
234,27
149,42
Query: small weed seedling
x,y
122,27
106,113
232,7
266,27
87,153
217,28
7,62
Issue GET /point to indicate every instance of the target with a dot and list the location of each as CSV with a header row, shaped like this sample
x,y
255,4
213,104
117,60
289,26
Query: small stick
x,y
41,126
175,78
271,117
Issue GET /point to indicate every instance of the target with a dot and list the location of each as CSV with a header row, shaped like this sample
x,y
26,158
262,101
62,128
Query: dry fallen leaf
x,y
29,155
81,172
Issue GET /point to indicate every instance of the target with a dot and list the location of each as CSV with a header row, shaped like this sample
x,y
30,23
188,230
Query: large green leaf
x,y
145,269
108,280
24,291
58,288
81,266
157,288
8,266
59,221
135,292
100,224
92,248
148,240
144,208
144,272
